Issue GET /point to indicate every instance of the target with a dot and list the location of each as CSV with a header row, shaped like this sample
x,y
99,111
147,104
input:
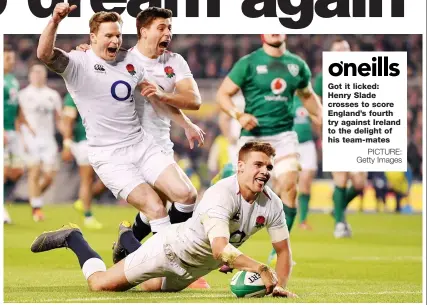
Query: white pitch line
x,y
195,296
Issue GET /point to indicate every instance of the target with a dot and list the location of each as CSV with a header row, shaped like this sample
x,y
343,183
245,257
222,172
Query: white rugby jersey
x,y
165,71
39,106
224,202
103,92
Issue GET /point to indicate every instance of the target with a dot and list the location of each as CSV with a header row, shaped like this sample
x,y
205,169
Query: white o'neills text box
x,y
364,111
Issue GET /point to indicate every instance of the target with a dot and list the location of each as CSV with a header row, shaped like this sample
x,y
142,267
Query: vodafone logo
x,y
278,85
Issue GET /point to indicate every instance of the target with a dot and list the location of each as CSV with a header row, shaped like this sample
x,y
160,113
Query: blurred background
x,y
210,58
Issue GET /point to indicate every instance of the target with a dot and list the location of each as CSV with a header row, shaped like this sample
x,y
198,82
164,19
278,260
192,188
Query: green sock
x,y
88,213
339,200
350,194
303,200
290,214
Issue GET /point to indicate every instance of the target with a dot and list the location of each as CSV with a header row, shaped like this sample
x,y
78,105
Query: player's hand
x,y
248,121
268,277
61,11
150,89
83,47
66,155
280,292
194,133
4,138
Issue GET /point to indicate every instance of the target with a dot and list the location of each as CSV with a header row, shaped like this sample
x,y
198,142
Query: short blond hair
x,y
102,17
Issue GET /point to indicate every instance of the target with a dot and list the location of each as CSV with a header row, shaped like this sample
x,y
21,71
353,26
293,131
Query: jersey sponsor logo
x,y
278,85
131,69
99,68
124,91
169,72
261,69
293,69
260,221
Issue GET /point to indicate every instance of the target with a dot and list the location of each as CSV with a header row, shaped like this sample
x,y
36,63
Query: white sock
x,y
36,202
184,208
93,265
144,218
159,224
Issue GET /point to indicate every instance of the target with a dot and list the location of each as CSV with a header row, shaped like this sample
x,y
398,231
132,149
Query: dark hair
x,y
256,146
8,48
102,17
147,16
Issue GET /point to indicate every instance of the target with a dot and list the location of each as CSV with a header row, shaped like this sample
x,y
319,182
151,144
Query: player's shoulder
x,y
253,56
273,199
295,57
225,186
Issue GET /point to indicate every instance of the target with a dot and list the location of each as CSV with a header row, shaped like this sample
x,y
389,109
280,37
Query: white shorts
x,y
156,259
285,143
308,155
80,152
13,151
122,169
41,150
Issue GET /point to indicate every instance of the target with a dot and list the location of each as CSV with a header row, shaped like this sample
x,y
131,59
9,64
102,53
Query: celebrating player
x,y
102,82
342,195
229,213
268,78
172,74
75,144
41,106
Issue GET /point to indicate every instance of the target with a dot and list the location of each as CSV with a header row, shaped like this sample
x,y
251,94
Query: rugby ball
x,y
246,284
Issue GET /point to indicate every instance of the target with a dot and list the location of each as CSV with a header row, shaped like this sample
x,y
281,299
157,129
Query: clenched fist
x,y
61,11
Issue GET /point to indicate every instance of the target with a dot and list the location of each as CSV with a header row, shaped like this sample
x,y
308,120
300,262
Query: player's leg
x,y
85,195
94,269
358,183
84,203
338,198
170,182
34,190
308,162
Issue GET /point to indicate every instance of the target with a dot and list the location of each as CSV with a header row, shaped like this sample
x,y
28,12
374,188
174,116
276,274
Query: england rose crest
x,y
131,69
169,72
260,222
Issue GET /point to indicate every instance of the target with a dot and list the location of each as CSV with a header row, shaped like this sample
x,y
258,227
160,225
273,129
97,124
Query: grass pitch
x,y
381,263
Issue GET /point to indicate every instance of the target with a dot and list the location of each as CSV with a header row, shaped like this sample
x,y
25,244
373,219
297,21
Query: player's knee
x,y
340,179
186,194
15,174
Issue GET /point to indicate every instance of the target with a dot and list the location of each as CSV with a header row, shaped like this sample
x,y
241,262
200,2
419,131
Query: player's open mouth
x,y
261,181
164,44
112,51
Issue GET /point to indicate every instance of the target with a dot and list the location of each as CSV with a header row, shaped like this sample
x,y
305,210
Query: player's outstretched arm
x,y
283,267
54,58
224,98
192,131
312,103
186,96
228,254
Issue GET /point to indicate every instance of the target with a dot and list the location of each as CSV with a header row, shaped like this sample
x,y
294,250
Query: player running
x,y
41,106
307,157
75,144
269,78
102,82
342,195
229,213
13,118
